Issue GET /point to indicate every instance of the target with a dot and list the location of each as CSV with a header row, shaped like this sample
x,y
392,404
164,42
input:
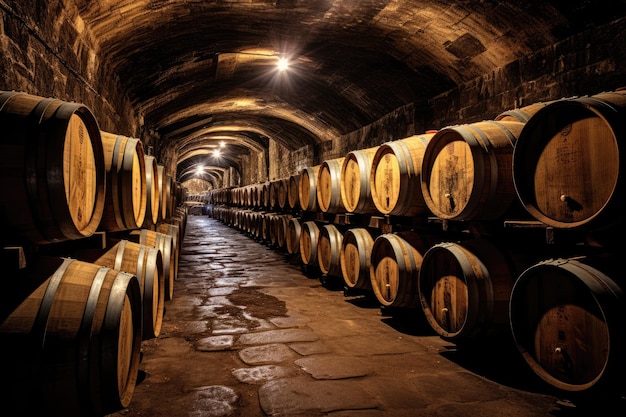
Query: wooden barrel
x,y
328,192
522,114
266,227
253,222
292,243
355,258
395,264
146,263
309,236
258,224
282,193
356,188
164,243
235,196
466,170
265,195
566,163
282,226
256,195
165,185
250,189
173,230
464,289
567,319
293,195
329,250
80,350
307,190
272,228
249,216
126,196
153,198
244,196
273,189
53,175
395,176
245,221
275,221
179,218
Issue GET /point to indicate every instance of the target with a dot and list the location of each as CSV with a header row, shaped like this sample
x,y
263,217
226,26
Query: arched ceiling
x,y
200,71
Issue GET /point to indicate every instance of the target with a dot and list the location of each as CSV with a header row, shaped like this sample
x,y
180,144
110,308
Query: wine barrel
x,y
466,170
179,218
274,191
395,176
464,289
355,258
256,195
258,224
266,227
395,264
307,190
272,228
249,221
566,163
522,114
146,263
153,198
293,196
165,185
238,196
245,221
292,243
567,319
174,231
53,174
165,244
246,196
282,226
356,188
328,192
126,196
282,196
309,236
266,194
81,346
329,250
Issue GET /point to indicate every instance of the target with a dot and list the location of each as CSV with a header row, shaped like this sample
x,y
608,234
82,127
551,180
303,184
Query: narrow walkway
x,y
248,334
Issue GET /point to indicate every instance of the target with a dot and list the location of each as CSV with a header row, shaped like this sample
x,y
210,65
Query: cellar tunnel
x,y
343,208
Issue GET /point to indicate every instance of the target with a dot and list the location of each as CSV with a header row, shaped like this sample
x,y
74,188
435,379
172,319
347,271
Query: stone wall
x,y
47,51
585,64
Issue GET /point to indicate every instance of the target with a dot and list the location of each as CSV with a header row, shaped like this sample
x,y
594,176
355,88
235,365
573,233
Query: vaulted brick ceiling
x,y
202,71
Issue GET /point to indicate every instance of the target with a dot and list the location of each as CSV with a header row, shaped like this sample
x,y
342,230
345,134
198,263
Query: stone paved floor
x,y
247,333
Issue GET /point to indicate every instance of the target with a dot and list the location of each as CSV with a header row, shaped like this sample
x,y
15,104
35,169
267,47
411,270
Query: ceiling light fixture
x,y
283,64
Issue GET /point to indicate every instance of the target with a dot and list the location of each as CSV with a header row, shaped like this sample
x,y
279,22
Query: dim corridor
x,y
249,333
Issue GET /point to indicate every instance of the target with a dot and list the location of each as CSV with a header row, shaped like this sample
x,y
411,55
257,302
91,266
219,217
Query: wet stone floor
x,y
249,333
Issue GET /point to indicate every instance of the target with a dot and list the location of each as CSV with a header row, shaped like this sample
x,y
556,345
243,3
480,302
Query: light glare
x,y
283,64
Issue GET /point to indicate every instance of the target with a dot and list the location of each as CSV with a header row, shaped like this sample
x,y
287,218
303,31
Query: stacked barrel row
x,y
552,166
74,323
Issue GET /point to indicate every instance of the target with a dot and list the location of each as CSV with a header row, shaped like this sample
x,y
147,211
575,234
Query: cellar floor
x,y
250,333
